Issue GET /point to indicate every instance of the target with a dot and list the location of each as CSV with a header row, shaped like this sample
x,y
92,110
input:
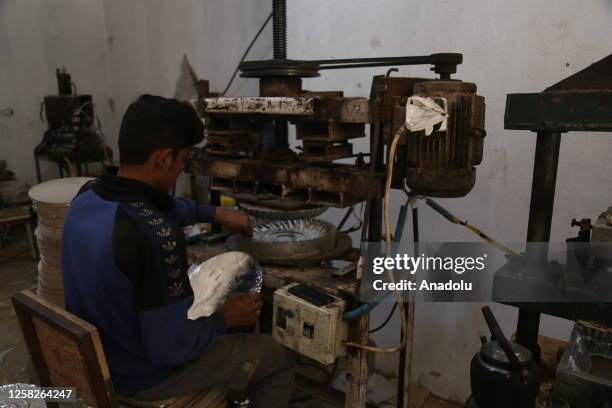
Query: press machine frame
x,y
301,184
583,103
287,183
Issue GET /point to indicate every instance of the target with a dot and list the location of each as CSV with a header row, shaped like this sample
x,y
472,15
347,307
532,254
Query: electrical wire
x,y
68,164
384,323
388,240
227,87
456,220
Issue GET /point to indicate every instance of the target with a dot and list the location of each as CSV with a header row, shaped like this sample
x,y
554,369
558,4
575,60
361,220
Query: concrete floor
x,y
18,272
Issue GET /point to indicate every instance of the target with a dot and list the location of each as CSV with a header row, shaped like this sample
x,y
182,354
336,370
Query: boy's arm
x,y
162,292
188,212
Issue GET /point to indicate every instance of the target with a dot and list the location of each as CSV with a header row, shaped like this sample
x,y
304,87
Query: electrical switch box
x,y
309,321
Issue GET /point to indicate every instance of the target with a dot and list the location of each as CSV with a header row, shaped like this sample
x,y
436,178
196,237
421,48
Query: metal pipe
x,y
540,220
405,358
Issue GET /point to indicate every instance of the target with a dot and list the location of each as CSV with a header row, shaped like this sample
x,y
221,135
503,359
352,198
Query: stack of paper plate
x,y
51,201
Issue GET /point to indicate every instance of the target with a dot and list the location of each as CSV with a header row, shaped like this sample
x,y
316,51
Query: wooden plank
x,y
357,365
32,342
409,307
70,349
64,360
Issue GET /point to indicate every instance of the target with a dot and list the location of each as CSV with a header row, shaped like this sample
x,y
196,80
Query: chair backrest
x,y
66,350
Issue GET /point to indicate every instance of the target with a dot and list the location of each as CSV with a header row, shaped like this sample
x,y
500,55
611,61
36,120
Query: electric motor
x,y
442,164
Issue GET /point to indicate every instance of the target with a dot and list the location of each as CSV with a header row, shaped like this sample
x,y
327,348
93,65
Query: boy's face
x,y
167,165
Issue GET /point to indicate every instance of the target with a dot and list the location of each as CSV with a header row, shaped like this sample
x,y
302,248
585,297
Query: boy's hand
x,y
233,220
241,310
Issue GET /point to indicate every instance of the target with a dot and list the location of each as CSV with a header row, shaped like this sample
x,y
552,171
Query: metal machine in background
x,y
247,153
581,102
247,156
73,135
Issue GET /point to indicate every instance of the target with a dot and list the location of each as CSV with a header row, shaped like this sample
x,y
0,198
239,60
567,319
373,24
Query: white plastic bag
x,y
214,280
424,113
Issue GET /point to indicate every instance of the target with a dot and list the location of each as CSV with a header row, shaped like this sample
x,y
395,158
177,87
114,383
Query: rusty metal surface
x,y
337,185
325,151
280,86
229,142
300,105
441,183
329,131
442,164
561,111
301,108
581,102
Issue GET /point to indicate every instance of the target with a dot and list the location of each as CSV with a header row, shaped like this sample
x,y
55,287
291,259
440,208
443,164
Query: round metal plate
x,y
288,241
273,214
291,230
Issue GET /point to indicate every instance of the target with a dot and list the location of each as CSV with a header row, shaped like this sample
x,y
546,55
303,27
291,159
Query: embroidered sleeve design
x,y
163,232
155,221
146,212
164,235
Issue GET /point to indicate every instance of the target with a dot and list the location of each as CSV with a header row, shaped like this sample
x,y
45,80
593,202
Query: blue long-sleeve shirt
x,y
125,271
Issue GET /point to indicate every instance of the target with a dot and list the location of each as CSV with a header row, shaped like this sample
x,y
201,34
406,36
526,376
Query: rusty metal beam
x,y
272,105
298,108
337,185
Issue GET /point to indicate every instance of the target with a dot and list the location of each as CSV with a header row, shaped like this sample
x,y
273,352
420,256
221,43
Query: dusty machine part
x,y
392,92
72,132
290,240
279,68
233,137
443,163
580,102
343,248
316,331
602,230
274,214
272,86
584,373
333,184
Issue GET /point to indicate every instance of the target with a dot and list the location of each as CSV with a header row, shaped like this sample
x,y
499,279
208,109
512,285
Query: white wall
x,y
117,49
36,37
508,46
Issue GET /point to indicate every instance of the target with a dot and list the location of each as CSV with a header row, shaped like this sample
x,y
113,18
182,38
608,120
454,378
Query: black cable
x,y
345,218
383,324
245,54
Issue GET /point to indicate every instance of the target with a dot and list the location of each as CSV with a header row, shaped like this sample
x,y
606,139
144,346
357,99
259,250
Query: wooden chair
x,y
67,351
10,217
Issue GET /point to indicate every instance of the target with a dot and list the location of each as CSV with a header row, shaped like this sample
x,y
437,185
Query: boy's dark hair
x,y
153,122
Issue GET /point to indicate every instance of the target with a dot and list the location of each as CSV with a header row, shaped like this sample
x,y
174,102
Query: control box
x,y
309,321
